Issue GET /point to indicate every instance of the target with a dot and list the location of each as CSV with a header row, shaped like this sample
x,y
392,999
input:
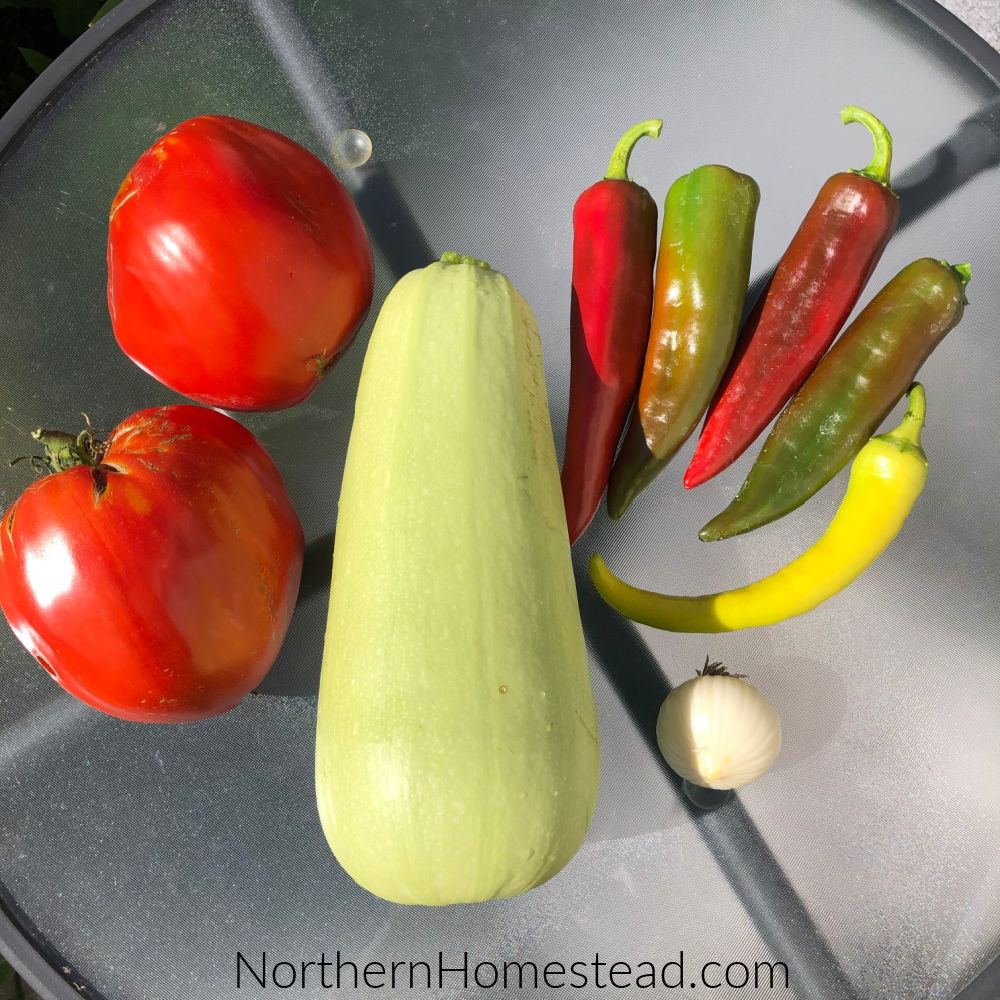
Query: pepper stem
x,y
878,169
618,167
907,434
964,271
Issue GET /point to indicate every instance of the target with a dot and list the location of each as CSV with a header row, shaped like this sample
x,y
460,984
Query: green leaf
x,y
73,16
37,61
6,972
27,4
104,8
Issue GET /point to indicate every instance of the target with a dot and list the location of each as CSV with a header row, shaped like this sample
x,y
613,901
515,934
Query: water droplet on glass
x,y
548,727
503,688
352,147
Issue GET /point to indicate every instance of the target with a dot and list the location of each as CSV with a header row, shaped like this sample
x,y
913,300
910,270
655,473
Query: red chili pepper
x,y
614,248
815,287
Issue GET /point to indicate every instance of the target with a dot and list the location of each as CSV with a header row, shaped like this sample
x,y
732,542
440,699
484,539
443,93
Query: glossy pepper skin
x,y
614,248
816,285
239,269
886,479
848,395
701,282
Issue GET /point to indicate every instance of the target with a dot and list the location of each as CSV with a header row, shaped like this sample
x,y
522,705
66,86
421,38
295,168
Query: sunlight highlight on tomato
x,y
239,269
156,579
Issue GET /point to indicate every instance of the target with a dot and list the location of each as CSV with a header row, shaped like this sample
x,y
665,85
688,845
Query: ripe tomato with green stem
x,y
154,575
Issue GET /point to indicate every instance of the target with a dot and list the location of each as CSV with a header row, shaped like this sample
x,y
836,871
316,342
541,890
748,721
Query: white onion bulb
x,y
717,731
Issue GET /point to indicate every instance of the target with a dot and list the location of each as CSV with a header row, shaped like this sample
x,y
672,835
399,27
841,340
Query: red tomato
x,y
158,584
239,269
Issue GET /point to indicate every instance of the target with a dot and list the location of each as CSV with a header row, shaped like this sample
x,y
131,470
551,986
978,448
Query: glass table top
x,y
140,861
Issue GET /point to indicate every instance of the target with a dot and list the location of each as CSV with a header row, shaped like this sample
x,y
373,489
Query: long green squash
x,y
456,748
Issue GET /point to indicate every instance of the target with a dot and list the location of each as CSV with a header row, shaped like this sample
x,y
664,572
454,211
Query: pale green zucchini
x,y
456,748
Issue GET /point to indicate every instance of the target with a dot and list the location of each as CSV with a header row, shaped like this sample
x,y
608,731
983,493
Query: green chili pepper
x,y
848,394
701,281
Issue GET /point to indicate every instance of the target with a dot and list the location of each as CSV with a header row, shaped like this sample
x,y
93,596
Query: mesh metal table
x,y
138,862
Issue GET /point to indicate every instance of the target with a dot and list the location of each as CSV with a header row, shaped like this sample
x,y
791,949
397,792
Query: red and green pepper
x,y
848,395
816,285
701,282
614,247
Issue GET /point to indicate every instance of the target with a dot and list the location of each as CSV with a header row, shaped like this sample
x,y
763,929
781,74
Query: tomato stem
x,y
63,450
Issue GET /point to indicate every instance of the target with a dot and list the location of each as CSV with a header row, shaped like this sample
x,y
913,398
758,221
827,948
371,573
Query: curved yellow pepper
x,y
886,478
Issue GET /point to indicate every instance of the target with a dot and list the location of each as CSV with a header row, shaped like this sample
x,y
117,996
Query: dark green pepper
x,y
702,273
848,394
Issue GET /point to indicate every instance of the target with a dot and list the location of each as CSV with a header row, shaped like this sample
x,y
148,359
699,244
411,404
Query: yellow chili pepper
x,y
886,478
